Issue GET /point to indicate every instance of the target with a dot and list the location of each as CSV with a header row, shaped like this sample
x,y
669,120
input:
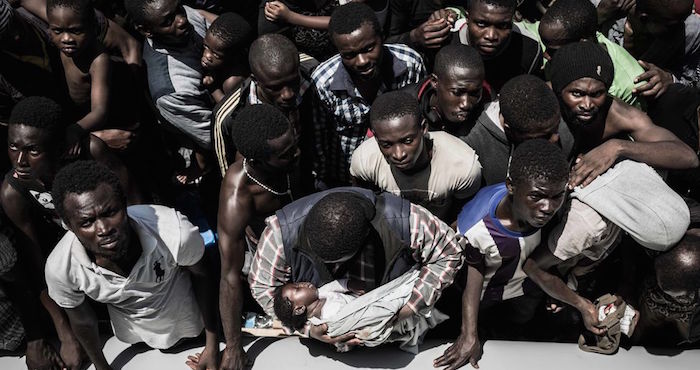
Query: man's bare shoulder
x,y
235,182
623,117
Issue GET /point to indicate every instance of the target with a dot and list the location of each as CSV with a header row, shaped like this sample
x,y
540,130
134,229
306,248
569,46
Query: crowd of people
x,y
364,171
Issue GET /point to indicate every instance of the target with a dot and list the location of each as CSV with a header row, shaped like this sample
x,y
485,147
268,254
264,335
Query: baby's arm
x,y
217,93
276,11
99,94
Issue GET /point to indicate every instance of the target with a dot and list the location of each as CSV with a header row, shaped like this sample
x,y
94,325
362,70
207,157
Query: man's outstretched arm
x,y
467,347
84,323
234,215
536,267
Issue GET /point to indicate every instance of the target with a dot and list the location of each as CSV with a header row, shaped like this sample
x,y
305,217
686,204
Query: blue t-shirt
x,y
496,250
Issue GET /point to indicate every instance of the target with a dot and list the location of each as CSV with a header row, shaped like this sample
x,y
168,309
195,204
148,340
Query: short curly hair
x,y
284,310
234,31
347,18
253,126
81,177
42,113
393,104
578,18
338,224
83,8
528,104
538,159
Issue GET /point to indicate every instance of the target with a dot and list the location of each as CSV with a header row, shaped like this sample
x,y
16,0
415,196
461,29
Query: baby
x,y
341,307
296,303
224,59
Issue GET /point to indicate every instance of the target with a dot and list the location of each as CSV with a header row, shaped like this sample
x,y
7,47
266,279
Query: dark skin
x,y
86,66
536,267
98,219
583,100
489,28
651,24
242,204
613,9
402,142
278,85
554,36
529,206
549,131
222,73
34,155
434,32
116,38
166,21
457,93
361,52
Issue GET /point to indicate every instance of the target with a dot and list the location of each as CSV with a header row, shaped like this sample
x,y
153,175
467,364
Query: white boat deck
x,y
294,353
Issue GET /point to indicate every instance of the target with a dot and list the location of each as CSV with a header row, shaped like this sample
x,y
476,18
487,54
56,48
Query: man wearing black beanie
x,y
581,74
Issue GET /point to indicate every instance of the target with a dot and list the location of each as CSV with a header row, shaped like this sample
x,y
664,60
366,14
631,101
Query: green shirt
x,y
626,67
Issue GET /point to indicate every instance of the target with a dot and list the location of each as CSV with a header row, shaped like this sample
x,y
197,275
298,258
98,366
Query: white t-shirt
x,y
155,304
454,172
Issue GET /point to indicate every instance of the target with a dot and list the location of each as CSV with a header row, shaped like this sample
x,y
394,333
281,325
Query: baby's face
x,y
214,53
300,294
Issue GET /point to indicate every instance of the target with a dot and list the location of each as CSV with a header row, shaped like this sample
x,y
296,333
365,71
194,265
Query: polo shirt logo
x,y
159,271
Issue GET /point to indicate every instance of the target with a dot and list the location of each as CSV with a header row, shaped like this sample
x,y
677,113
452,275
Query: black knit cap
x,y
580,60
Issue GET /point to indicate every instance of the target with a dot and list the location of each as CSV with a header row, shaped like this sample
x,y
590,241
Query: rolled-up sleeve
x,y
269,269
439,250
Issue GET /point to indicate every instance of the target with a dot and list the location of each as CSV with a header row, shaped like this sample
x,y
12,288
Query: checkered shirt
x,y
341,117
436,247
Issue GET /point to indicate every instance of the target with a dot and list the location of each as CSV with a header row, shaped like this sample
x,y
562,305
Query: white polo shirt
x,y
155,304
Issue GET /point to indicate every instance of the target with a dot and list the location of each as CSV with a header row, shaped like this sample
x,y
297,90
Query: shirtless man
x,y
581,75
254,187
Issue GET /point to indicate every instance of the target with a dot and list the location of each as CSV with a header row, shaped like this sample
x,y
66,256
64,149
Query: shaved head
x,y
272,53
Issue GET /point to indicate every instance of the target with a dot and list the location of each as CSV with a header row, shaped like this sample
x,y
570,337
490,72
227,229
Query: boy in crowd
x,y
506,52
452,97
503,226
348,83
435,170
115,39
224,57
85,63
112,254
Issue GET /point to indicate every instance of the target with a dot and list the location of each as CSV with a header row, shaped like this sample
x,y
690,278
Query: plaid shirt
x,y
341,117
436,247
